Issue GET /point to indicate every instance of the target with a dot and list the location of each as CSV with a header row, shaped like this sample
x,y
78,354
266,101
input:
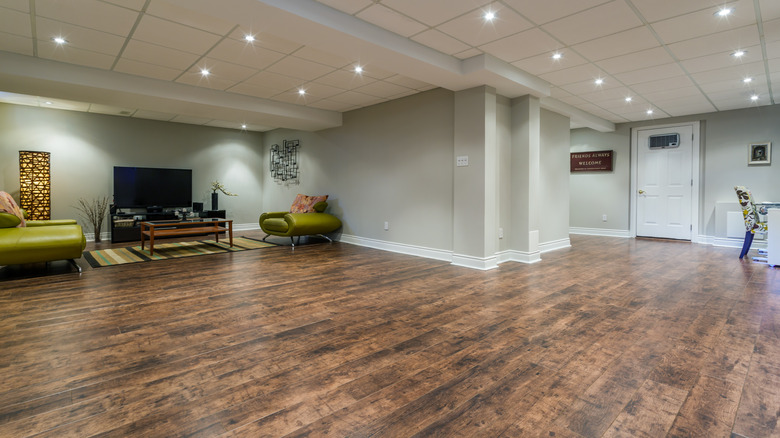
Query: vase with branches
x,y
94,211
215,187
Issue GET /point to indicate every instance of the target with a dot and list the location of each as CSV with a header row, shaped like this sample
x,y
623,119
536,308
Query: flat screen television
x,y
137,187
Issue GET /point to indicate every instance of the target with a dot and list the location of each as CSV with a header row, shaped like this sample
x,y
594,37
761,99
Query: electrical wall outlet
x,y
462,161
387,225
603,218
500,233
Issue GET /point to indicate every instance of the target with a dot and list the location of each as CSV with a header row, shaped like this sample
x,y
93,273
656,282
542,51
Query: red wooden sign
x,y
591,161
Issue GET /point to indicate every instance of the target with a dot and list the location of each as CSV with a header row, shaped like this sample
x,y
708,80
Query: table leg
x,y
142,237
230,232
151,243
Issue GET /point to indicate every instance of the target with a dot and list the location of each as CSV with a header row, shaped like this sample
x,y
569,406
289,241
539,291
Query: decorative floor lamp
x,y
35,182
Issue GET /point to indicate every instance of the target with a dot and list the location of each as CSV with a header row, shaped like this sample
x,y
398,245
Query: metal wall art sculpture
x,y
284,162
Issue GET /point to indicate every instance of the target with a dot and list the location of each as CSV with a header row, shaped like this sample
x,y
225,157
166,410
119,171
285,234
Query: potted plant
x,y
217,186
94,211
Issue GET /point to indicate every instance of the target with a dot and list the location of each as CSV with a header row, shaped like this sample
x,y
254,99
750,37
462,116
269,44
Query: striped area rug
x,y
163,251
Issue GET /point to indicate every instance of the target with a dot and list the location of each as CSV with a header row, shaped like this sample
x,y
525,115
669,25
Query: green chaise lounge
x,y
305,218
39,241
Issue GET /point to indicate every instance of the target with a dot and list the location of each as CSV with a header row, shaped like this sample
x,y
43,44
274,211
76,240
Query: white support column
x,y
526,145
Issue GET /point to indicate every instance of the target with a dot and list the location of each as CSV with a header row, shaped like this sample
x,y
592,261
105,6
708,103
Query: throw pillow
x,y
8,205
305,204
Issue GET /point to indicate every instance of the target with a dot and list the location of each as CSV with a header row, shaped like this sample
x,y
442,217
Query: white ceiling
x,y
142,58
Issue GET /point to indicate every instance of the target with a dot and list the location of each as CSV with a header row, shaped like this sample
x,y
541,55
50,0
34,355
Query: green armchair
x,y
314,221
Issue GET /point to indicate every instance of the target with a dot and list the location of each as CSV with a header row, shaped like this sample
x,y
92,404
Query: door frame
x,y
695,172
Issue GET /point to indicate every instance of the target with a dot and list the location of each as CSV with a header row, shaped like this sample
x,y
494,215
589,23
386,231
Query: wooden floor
x,y
613,337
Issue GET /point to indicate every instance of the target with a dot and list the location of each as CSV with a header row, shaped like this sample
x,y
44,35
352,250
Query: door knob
x,y
641,192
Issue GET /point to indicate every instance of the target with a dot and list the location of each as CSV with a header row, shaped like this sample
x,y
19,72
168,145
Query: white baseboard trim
x,y
554,245
246,227
599,232
481,263
519,256
402,248
731,242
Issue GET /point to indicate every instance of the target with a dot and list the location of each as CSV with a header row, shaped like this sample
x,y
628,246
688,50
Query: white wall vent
x,y
664,141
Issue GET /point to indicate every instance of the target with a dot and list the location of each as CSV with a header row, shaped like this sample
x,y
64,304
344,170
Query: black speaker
x,y
197,206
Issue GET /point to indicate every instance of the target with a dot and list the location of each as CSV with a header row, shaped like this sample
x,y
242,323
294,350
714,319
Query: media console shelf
x,y
125,228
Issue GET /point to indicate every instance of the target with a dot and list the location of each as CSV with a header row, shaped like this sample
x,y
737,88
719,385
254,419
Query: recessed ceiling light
x,y
747,80
205,72
739,53
59,40
724,12
599,81
243,126
47,102
301,91
490,16
754,97
249,38
557,55
629,99
358,69
650,111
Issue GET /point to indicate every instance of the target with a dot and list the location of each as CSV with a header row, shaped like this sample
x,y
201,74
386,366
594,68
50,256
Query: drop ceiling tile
x,y
295,98
243,53
272,42
347,6
772,31
344,79
634,61
522,45
774,65
559,93
153,71
391,20
435,12
720,60
188,17
650,74
656,10
601,112
704,22
355,98
176,36
544,63
278,82
541,12
16,44
472,29
320,91
300,68
639,113
663,85
620,106
589,86
573,100
74,55
253,90
331,105
89,14
17,5
735,73
607,94
687,105
770,9
375,72
193,77
321,57
603,20
381,89
672,93
225,70
621,43
15,23
714,87
153,115
585,72
158,55
407,82
729,40
773,50
440,41
78,37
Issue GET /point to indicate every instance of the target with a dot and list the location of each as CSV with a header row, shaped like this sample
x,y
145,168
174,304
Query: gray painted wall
x,y
725,138
85,147
389,162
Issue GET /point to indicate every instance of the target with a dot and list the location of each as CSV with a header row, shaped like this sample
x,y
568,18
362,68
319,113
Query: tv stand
x,y
124,228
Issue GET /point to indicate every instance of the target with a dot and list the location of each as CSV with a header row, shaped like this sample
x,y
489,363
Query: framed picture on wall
x,y
760,153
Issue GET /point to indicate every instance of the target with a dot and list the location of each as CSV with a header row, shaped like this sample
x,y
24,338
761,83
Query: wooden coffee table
x,y
152,229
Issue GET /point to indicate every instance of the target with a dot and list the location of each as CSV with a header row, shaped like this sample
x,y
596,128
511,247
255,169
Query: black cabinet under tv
x,y
124,228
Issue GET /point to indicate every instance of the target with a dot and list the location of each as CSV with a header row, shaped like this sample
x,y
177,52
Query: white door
x,y
664,185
